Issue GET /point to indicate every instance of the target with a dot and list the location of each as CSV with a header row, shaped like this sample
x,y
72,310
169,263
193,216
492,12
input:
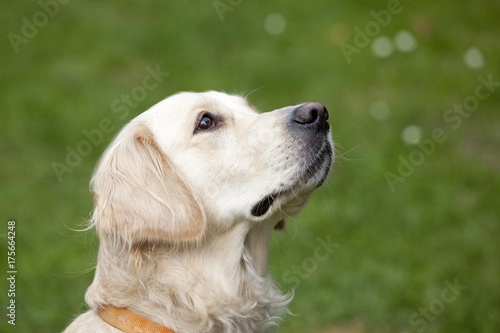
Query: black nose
x,y
313,115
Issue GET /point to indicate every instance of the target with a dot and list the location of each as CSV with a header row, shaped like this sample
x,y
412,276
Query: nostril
x,y
325,114
314,115
310,113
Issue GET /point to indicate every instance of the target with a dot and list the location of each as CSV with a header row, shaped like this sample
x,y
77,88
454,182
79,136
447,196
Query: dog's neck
x,y
221,285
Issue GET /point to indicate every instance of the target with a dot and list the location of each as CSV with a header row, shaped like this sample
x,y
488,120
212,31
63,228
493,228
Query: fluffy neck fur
x,y
218,285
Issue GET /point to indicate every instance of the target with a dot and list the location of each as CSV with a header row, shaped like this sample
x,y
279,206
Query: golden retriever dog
x,y
186,197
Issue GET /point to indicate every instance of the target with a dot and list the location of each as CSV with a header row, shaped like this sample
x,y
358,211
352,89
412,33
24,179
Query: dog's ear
x,y
139,196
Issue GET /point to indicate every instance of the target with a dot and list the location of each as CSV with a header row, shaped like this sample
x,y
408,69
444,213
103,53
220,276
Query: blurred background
x,y
407,225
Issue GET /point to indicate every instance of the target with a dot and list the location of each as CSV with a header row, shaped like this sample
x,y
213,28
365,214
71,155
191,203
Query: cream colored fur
x,y
178,242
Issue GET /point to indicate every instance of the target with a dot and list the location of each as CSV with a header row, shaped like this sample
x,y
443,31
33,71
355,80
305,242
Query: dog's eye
x,y
206,122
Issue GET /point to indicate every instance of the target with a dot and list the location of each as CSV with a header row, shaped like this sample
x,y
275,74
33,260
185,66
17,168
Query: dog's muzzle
x,y
308,122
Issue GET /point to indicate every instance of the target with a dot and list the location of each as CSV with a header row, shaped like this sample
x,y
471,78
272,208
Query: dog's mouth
x,y
313,176
263,205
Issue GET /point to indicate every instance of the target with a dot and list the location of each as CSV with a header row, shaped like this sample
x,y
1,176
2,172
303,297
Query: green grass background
x,y
395,248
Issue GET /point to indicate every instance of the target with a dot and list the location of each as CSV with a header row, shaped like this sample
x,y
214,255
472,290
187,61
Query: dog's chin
x,y
277,206
294,205
286,202
292,198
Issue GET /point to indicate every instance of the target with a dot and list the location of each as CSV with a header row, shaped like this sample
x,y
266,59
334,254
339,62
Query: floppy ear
x,y
138,195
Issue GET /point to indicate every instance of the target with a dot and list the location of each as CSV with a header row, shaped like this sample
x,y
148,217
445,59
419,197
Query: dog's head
x,y
208,160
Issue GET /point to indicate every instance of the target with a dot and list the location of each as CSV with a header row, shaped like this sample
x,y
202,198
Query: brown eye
x,y
206,122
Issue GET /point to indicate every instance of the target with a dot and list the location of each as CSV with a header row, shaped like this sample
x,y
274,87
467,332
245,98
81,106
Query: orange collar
x,y
129,322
